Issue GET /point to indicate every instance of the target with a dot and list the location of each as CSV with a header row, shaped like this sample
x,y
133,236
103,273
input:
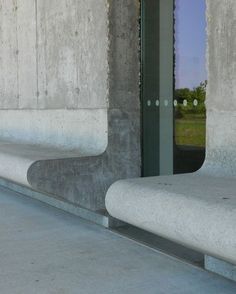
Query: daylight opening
x,y
190,85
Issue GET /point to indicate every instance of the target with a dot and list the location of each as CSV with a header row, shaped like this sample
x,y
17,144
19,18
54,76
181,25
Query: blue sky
x,y
190,44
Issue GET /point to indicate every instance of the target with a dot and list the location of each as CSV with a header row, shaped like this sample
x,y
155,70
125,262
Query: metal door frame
x,y
157,86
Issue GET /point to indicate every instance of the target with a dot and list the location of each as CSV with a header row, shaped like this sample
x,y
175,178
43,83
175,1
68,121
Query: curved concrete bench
x,y
69,107
54,135
196,210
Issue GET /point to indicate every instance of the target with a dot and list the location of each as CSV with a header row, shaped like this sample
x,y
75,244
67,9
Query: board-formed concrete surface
x,y
44,250
53,82
50,54
54,72
69,82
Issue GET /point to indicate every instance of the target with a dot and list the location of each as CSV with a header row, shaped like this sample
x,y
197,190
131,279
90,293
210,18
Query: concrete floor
x,y
44,250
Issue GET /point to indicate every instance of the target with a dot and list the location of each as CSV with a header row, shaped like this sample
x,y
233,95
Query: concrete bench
x,y
50,135
197,210
69,107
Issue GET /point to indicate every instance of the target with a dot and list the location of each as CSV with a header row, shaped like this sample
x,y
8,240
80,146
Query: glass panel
x,y
157,87
190,85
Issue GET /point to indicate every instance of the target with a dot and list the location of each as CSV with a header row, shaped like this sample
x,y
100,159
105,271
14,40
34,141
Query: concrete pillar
x,y
221,103
221,90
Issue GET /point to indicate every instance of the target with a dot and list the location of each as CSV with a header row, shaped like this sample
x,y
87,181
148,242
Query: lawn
x,y
190,130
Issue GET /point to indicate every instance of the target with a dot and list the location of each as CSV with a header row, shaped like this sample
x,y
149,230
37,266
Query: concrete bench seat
x,y
69,107
17,158
50,135
196,210
72,154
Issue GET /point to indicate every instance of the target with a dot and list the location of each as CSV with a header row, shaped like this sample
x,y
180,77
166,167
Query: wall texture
x,y
84,181
50,54
70,80
221,93
54,55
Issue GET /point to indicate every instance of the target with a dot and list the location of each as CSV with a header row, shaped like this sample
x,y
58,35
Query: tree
x,y
182,94
195,100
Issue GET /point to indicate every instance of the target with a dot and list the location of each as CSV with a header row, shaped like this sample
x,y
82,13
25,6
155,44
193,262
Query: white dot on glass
x,y
149,103
185,102
195,102
175,103
166,102
157,103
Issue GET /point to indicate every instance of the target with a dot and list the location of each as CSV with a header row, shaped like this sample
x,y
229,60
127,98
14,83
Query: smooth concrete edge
x,y
17,159
220,267
97,218
132,202
15,168
70,130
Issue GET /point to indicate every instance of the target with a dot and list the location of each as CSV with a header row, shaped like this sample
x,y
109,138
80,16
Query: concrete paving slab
x,y
44,250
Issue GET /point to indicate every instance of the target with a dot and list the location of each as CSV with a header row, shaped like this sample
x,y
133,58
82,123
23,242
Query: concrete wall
x,y
54,56
221,93
85,181
69,79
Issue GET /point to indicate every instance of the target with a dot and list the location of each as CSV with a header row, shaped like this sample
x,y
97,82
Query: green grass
x,y
190,130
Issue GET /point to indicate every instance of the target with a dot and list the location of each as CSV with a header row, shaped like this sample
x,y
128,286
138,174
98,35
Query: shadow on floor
x,y
162,244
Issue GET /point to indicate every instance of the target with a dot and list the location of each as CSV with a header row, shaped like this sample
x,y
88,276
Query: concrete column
x,y
221,103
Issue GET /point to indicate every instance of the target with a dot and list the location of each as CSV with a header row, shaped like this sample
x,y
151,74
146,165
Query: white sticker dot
x,y
166,102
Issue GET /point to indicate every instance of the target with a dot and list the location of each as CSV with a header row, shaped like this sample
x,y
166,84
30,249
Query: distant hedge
x,y
191,96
